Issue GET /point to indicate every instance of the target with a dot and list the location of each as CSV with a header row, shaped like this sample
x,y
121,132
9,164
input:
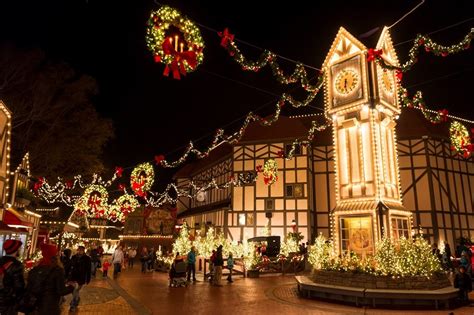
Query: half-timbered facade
x,y
375,166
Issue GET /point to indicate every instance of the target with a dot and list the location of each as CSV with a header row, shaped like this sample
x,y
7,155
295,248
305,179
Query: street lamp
x,y
293,225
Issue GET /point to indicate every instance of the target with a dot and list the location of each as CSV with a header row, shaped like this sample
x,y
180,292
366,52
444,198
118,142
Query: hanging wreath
x,y
460,139
174,41
115,214
142,178
127,204
93,202
270,172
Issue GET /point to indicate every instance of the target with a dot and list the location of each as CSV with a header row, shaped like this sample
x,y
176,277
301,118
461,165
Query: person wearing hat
x,y
13,284
80,273
49,286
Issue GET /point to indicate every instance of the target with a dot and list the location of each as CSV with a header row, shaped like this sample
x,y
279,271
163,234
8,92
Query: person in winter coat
x,y
53,287
218,263
80,273
13,284
192,264
95,260
230,266
144,259
118,260
66,261
463,282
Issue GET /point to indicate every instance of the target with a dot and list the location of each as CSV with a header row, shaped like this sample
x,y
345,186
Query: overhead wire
x,y
208,28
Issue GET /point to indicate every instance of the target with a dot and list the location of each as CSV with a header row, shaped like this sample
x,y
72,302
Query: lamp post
x,y
294,226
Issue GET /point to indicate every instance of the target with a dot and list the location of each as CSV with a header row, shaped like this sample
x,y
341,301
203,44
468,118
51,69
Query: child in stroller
x,y
178,273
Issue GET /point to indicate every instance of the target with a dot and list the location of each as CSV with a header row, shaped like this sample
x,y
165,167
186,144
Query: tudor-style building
x,y
374,170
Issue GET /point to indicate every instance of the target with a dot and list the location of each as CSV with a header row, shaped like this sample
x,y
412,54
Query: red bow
x,y
373,54
38,184
259,168
118,171
399,75
94,204
177,65
69,184
137,188
226,36
159,158
443,113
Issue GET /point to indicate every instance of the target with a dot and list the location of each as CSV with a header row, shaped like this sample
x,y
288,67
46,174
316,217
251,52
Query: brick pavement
x,y
137,293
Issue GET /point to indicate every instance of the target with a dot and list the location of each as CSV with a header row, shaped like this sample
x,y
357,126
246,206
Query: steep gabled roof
x,y
344,44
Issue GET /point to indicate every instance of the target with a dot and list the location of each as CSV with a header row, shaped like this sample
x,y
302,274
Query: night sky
x,y
154,115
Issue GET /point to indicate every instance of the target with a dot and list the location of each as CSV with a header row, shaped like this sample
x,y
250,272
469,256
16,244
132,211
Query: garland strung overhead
x,y
459,135
172,193
429,45
174,41
269,58
59,192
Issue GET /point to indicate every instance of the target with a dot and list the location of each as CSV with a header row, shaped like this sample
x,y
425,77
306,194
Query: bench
x,y
309,288
445,295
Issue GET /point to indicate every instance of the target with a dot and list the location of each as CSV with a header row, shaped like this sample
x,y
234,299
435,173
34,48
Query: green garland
x,y
430,46
269,58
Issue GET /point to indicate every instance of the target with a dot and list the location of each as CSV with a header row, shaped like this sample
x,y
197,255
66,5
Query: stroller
x,y
178,274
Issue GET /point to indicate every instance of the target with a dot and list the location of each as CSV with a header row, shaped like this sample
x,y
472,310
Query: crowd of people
x,y
460,264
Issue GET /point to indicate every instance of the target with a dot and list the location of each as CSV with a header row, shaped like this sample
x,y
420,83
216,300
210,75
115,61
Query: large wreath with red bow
x,y
142,179
175,41
93,202
460,139
127,204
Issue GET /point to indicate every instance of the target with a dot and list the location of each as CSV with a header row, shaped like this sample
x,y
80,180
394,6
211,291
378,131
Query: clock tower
x,y
361,98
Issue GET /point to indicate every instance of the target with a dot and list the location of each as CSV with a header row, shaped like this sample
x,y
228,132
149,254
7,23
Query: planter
x,y
253,273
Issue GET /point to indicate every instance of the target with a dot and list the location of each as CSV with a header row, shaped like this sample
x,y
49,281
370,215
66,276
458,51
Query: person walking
x,y
151,259
105,268
192,264
230,266
218,263
51,284
117,260
95,260
132,253
66,261
144,259
80,273
12,285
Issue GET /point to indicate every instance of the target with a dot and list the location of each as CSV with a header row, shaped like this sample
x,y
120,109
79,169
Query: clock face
x,y
387,82
346,81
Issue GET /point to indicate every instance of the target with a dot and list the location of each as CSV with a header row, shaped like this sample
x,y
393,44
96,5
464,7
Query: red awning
x,y
14,219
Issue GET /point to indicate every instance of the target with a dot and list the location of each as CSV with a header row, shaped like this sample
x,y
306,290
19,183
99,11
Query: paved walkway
x,y
137,293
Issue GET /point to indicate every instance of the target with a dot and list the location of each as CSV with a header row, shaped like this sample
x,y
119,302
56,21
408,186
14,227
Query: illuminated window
x,y
242,219
356,235
400,227
294,190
